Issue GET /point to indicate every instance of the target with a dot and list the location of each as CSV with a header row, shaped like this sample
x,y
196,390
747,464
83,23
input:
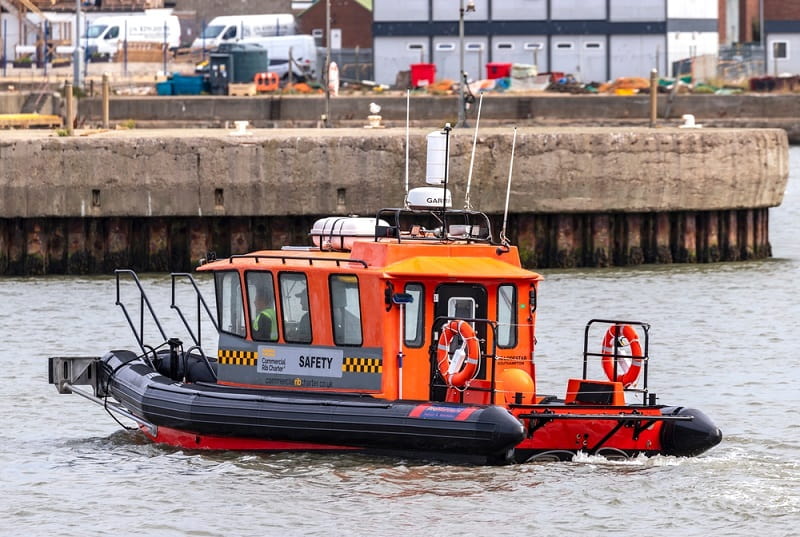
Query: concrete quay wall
x,y
747,110
158,200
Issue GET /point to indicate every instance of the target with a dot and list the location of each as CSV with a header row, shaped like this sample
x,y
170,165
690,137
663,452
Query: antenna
x,y
472,158
447,129
408,114
503,238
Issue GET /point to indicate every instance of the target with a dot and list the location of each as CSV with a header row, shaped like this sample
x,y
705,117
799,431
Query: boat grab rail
x,y
469,217
200,302
646,401
111,406
310,259
143,301
199,349
489,354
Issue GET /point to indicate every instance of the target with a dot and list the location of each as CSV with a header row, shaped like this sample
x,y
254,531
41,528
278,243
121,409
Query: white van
x,y
232,28
304,54
105,36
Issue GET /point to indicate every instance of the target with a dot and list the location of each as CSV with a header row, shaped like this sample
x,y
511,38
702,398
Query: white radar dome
x,y
428,197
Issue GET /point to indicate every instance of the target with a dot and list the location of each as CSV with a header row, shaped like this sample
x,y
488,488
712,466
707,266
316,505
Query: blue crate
x,y
187,84
165,88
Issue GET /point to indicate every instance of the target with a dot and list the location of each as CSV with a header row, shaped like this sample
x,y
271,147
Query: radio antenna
x,y
408,115
472,158
503,238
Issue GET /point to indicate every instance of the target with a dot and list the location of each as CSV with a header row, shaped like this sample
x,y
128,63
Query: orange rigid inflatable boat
x,y
409,334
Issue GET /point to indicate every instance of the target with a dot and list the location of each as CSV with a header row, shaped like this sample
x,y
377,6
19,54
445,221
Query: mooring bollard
x,y
653,97
106,96
69,111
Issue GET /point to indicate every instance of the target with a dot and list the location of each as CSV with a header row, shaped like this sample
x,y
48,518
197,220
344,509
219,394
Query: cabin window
x,y
113,33
229,303
345,309
261,299
294,307
414,320
506,323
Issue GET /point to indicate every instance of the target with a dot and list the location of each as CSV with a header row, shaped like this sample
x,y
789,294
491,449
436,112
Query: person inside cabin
x,y
265,325
303,331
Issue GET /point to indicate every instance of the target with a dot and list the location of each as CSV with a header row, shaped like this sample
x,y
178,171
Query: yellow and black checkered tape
x,y
230,357
362,365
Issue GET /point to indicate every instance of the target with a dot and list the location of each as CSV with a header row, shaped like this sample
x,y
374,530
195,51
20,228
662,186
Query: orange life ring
x,y
459,368
625,335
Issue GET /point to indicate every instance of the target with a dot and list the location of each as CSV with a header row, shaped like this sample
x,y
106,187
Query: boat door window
x,y
506,312
261,299
229,303
415,316
345,309
294,307
461,307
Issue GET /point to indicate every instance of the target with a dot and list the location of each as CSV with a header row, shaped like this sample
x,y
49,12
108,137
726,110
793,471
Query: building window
x,y
415,316
533,46
593,45
565,46
780,50
445,47
504,46
317,33
345,309
474,47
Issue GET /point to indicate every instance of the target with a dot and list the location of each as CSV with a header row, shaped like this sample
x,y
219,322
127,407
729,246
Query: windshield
x,y
95,30
212,31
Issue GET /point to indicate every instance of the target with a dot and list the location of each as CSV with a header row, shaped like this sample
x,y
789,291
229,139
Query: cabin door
x,y
461,301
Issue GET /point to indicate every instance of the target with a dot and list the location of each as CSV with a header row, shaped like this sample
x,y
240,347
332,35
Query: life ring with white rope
x,y
630,366
460,367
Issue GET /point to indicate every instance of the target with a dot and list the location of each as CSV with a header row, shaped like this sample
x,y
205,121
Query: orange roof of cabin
x,y
408,258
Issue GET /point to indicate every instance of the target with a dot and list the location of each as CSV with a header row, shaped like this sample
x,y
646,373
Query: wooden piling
x,y
3,246
199,240
747,224
601,240
77,247
730,224
158,245
526,239
663,231
117,242
687,238
566,251
632,254
35,248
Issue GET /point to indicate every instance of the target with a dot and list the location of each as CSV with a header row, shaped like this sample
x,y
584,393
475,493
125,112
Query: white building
x,y
594,40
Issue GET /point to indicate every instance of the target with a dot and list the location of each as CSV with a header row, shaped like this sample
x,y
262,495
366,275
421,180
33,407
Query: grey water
x,y
723,340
